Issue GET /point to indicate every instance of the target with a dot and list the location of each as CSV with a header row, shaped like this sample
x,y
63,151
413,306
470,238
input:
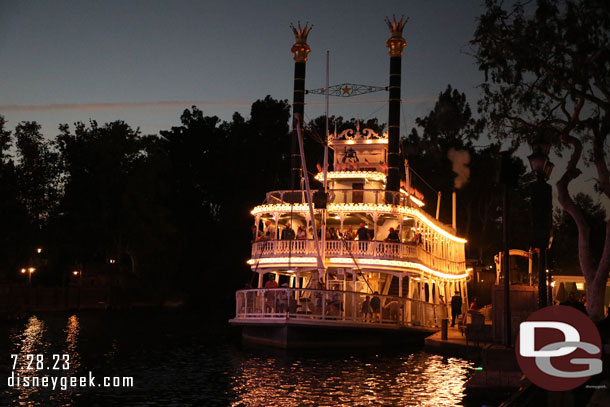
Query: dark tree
x,y
547,71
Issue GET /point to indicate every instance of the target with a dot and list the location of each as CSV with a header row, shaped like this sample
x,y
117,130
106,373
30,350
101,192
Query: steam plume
x,y
460,160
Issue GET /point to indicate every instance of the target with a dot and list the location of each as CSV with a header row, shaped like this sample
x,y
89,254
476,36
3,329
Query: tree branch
x,y
566,201
599,159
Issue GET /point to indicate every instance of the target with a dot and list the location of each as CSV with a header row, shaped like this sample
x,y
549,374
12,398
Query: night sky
x,y
146,61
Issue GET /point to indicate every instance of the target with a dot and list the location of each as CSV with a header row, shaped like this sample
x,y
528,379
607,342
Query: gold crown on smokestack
x,y
300,49
396,43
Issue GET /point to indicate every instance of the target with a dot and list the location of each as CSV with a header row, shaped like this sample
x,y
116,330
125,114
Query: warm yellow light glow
x,y
398,263
362,208
370,175
75,272
580,286
282,260
31,269
23,271
112,261
416,201
39,250
367,141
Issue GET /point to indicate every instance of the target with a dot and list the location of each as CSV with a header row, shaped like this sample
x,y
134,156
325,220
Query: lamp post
x,y
79,274
28,271
542,209
509,179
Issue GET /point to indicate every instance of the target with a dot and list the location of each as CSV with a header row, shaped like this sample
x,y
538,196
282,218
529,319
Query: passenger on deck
x,y
474,305
301,234
393,308
349,234
332,234
362,232
416,239
270,297
282,299
269,233
255,234
375,306
392,236
288,232
366,309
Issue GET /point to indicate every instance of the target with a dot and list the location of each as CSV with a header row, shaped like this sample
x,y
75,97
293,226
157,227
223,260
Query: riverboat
x,y
360,262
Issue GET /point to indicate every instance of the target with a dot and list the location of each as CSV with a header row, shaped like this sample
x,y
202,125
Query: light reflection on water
x,y
418,379
29,341
177,360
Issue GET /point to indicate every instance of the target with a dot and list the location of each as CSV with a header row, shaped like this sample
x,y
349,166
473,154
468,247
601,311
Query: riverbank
x,y
17,301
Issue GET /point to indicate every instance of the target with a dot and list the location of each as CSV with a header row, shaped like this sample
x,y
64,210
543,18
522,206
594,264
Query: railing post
x,y
324,305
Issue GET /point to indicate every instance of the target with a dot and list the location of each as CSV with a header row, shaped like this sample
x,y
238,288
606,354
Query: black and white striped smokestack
x,y
300,49
395,44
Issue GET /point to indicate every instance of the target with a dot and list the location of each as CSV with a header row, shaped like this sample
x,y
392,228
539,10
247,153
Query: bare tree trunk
x,y
596,277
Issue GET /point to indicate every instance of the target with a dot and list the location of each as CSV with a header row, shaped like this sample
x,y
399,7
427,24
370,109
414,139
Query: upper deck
x,y
400,237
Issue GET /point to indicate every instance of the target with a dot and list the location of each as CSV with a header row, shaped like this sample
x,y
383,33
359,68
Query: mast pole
x,y
320,262
325,168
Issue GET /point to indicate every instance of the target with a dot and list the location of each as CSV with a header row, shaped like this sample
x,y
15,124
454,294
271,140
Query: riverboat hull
x,y
289,333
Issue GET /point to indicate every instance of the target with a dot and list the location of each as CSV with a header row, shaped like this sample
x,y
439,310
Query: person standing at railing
x,y
392,236
301,234
270,297
332,234
256,235
288,232
349,234
363,232
456,307
375,306
269,232
366,309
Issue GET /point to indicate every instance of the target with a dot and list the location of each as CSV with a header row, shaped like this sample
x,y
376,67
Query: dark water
x,y
176,360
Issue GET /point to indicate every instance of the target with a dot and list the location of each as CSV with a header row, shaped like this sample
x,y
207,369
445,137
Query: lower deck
x,y
295,333
281,316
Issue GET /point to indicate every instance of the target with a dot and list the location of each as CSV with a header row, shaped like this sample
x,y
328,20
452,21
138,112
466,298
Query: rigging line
x,y
422,179
381,107
356,264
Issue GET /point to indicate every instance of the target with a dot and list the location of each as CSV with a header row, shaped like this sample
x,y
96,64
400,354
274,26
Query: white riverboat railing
x,y
357,249
337,306
338,195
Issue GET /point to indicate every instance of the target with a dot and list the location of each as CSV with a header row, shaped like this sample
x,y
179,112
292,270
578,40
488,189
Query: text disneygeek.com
x,y
15,380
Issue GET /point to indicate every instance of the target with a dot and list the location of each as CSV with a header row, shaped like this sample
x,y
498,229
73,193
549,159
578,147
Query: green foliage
x,y
541,63
38,173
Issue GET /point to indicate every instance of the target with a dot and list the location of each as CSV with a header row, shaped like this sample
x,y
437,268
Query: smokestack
x,y
300,49
395,44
